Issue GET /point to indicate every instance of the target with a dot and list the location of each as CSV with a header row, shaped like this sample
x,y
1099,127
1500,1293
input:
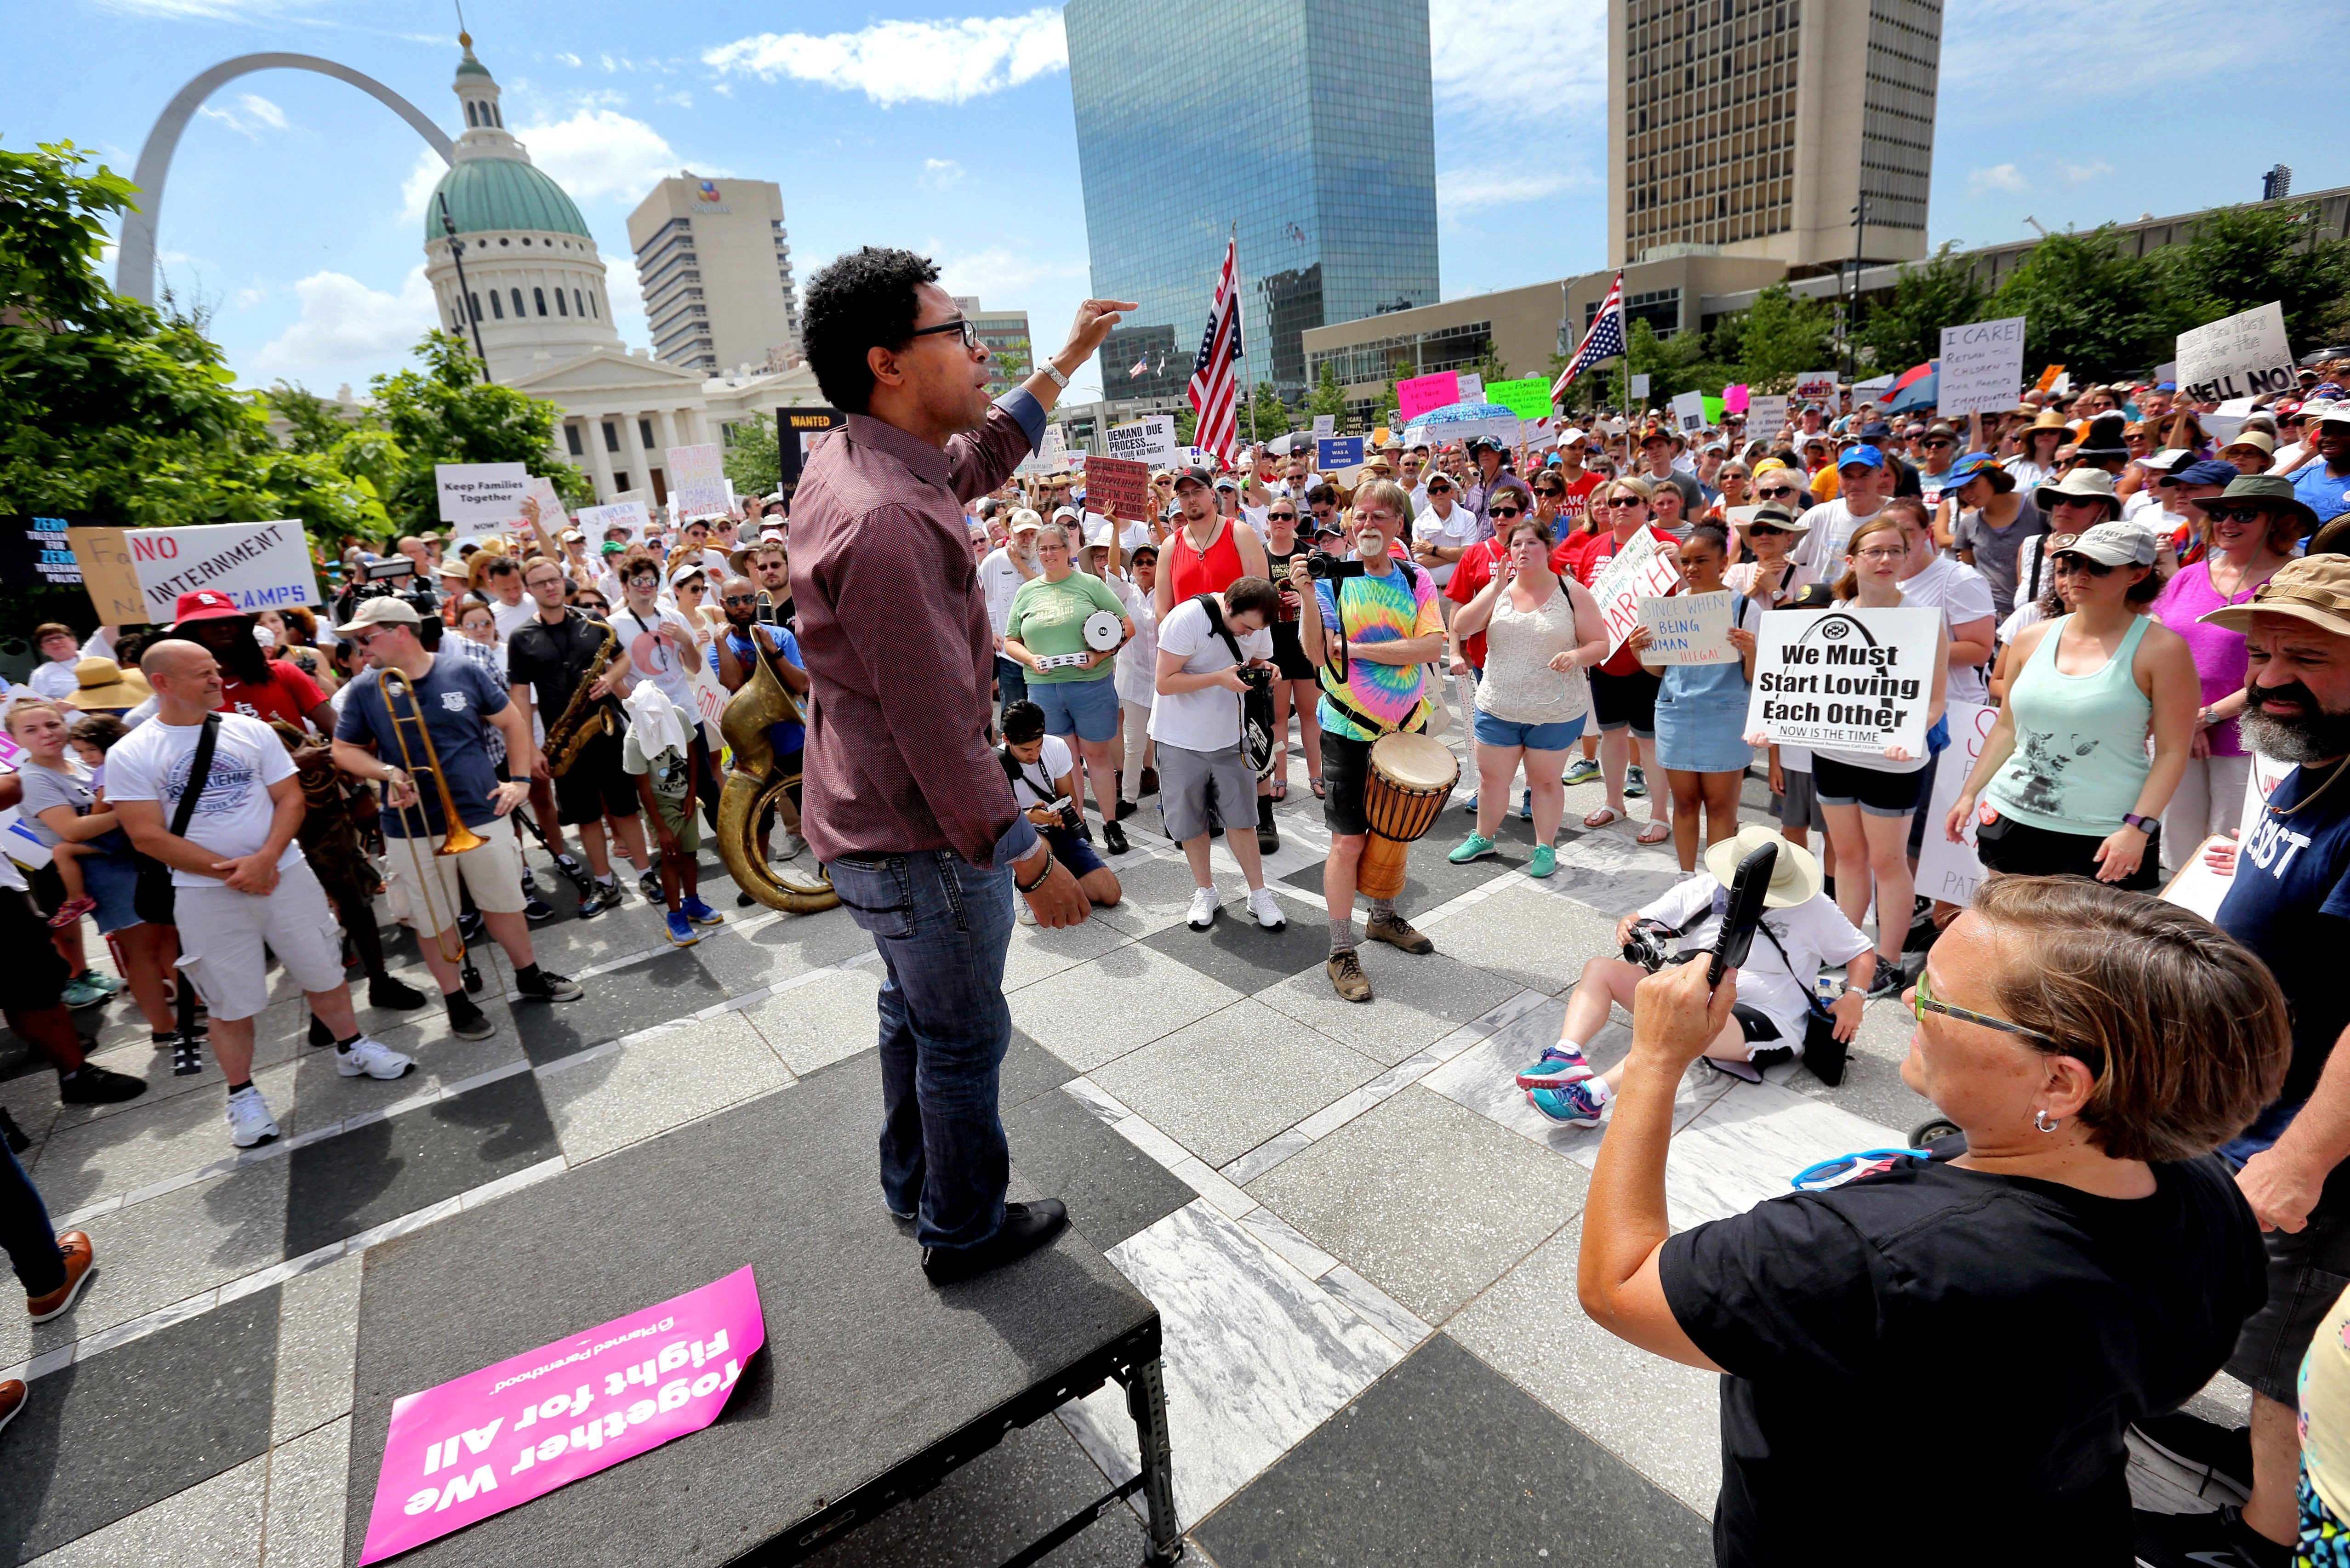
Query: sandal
x,y
1317,782
1661,831
1280,790
69,911
1605,816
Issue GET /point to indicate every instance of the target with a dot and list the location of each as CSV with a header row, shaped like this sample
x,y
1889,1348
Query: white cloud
x,y
1461,191
2072,175
250,115
937,174
598,152
246,298
1998,177
898,62
199,10
345,325
417,189
1478,56
999,272
567,56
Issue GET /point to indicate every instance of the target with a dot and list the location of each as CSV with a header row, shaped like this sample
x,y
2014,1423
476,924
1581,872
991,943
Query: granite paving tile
x,y
635,996
216,1523
1242,953
658,1081
821,1020
1113,1188
1524,936
1101,1009
1225,1083
146,1143
786,946
1416,1000
304,1525
317,1340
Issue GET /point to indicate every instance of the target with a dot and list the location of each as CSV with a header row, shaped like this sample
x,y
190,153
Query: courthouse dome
x,y
501,194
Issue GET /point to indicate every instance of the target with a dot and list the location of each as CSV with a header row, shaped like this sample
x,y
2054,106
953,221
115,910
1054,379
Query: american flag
x,y
1215,381
1140,366
1603,341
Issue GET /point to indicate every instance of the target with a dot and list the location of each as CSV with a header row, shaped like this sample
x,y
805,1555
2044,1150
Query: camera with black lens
x,y
393,579
1645,947
1325,568
1066,810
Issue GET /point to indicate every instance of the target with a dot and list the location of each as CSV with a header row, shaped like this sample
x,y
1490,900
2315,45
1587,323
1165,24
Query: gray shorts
x,y
2308,1270
1201,790
1799,807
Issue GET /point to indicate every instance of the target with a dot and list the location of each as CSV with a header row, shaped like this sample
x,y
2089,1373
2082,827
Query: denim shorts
x,y
1555,736
1087,709
113,880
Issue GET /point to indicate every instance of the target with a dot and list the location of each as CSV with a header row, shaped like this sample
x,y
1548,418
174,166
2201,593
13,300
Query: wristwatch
x,y
2144,824
1054,372
2206,719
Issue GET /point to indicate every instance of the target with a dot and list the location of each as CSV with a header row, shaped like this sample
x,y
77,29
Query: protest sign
x,y
1051,456
34,551
2048,374
1688,412
137,574
1692,629
1119,487
543,506
796,431
1325,426
595,522
1982,368
1418,395
1150,441
1337,452
1639,571
1765,413
496,1439
1471,388
1640,384
2240,355
1713,412
1948,871
1734,398
1815,386
1857,679
1528,397
697,479
17,841
480,498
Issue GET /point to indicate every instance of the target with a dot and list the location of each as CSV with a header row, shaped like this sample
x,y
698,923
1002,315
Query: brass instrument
x,y
458,837
752,786
583,717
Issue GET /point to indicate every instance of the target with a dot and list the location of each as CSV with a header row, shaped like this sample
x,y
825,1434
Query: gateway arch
x,y
134,270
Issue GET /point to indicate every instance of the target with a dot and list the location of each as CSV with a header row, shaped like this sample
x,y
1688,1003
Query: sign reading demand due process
x,y
1859,680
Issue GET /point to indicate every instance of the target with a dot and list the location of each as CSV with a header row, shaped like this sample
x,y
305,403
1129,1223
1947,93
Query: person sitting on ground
x,y
1802,932
1044,772
1206,776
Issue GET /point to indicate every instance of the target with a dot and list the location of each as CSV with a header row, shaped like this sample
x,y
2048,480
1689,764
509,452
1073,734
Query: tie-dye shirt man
x,y
1378,609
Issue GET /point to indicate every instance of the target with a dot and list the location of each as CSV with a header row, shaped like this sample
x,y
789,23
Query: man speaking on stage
x,y
904,800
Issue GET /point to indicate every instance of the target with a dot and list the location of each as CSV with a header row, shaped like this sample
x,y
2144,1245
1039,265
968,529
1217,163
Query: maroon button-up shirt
x,y
894,633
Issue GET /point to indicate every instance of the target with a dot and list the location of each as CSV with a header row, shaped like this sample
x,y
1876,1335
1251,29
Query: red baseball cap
x,y
204,604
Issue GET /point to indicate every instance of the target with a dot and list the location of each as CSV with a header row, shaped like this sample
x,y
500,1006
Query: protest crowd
x,y
2131,673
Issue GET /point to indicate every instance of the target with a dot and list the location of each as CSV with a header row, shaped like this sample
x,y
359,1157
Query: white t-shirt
x,y
55,680
1208,720
1036,784
1823,548
1131,537
1814,934
233,815
511,618
1137,674
1962,593
651,659
1457,532
999,580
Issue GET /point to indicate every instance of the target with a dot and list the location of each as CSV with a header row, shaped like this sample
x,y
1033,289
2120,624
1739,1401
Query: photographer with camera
x,y
1802,932
2070,1263
1209,649
1044,772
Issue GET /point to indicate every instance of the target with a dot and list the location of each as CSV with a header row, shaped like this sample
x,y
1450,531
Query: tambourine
x,y
1102,631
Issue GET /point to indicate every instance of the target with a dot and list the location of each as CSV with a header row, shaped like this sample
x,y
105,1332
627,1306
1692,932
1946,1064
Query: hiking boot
x,y
1346,977
1397,932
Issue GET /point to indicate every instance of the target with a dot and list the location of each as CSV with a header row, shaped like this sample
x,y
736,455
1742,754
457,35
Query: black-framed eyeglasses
x,y
1763,529
963,324
1548,494
1505,511
1931,442
1921,1002
1623,501
1283,516
1779,493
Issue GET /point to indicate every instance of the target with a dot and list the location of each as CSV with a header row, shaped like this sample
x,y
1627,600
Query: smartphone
x,y
1745,911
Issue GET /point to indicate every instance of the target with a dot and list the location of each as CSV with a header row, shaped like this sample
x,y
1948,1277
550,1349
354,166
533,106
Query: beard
x,y
2313,735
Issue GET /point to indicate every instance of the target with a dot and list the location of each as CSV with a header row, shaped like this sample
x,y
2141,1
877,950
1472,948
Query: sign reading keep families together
x,y
1860,679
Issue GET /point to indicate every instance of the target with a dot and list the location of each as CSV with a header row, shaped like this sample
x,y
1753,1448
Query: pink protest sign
x,y
1415,396
481,1444
1733,399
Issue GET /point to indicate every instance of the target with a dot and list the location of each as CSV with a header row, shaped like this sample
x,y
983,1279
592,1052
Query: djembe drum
x,y
1410,778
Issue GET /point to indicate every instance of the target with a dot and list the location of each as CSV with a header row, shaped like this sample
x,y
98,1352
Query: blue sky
x,y
294,202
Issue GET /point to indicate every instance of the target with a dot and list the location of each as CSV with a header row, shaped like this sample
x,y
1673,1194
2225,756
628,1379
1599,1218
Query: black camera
x,y
1646,946
394,578
1330,568
1066,810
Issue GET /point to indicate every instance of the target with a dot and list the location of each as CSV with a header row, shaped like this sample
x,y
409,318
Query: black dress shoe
x,y
1026,1227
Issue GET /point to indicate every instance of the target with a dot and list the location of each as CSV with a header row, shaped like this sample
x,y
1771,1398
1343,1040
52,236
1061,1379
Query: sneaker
x,y
1527,806
249,1121
2219,1457
1578,1103
1027,915
534,907
1888,982
790,847
604,896
1545,861
108,983
1560,1065
1582,771
473,1025
682,933
83,991
1470,806
79,1261
568,865
700,913
1267,907
1397,932
1635,784
649,886
529,881
394,994
550,987
188,1053
2217,1540
468,927
97,1085
374,1058
1202,913
1476,847
1346,976
1114,836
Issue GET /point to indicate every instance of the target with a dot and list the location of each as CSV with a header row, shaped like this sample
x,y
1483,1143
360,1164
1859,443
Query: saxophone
x,y
584,717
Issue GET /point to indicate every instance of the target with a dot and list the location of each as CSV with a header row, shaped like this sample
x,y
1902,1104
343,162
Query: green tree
x,y
312,423
1488,368
2088,306
1272,416
1187,424
1014,361
2242,257
1908,329
1780,337
1327,396
444,412
753,458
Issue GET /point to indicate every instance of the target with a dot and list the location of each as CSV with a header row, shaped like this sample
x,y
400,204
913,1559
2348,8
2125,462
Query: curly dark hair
x,y
864,300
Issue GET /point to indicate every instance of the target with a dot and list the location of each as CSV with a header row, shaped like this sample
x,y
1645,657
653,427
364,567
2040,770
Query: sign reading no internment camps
x,y
1858,679
136,575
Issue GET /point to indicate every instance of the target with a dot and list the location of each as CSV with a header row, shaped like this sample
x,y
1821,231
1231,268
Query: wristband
x,y
2144,824
1041,876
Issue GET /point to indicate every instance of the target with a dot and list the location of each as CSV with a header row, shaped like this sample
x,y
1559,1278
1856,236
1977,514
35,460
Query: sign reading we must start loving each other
x,y
1859,680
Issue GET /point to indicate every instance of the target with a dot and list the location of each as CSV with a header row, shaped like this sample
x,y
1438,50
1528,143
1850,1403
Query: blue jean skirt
x,y
1702,732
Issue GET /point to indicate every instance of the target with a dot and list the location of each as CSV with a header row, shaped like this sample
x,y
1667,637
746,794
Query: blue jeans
x,y
1011,682
26,1232
941,926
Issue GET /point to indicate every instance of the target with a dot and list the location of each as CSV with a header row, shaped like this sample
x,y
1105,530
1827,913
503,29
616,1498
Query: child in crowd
x,y
91,739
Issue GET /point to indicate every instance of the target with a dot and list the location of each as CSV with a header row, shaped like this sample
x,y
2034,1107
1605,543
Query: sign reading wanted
x,y
2240,355
1860,679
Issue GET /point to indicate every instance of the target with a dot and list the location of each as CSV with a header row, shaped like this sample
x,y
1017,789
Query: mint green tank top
x,y
2080,756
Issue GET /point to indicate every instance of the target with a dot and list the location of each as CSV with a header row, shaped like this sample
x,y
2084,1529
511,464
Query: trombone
x,y
458,839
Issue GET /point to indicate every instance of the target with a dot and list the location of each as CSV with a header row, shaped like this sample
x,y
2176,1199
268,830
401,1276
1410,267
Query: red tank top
x,y
1193,571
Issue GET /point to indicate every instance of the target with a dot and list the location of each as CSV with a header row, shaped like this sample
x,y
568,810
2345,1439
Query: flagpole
x,y
1240,329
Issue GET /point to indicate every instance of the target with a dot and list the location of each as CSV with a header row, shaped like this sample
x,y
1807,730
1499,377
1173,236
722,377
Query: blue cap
x,y
1877,430
2166,386
1862,456
2210,471
1967,467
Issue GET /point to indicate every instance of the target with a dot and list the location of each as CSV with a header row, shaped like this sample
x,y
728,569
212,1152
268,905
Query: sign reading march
x,y
1640,570
136,575
1150,441
480,498
2240,355
1860,679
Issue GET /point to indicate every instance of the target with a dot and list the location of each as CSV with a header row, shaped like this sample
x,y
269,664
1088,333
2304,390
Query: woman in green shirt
x,y
1047,623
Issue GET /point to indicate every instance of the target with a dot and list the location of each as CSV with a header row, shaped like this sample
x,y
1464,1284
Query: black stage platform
x,y
872,1386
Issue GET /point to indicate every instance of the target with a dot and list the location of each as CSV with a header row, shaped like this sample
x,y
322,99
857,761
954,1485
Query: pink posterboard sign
x,y
1415,396
483,1443
1733,399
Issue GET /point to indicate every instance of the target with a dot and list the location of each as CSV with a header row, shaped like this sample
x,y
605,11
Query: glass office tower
x,y
1309,123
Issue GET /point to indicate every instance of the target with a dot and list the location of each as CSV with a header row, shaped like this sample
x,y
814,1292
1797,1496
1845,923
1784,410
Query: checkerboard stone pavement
x,y
1360,1238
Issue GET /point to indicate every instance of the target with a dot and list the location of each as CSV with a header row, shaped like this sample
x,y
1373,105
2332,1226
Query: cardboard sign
x,y
1640,384
1421,394
1982,368
1472,386
35,551
480,498
1688,412
1118,487
2240,355
1860,679
1767,412
1051,457
1638,571
1691,628
1528,397
136,575
1337,453
540,504
1815,387
595,521
1325,426
1948,871
494,1440
697,480
2049,376
796,431
1150,441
